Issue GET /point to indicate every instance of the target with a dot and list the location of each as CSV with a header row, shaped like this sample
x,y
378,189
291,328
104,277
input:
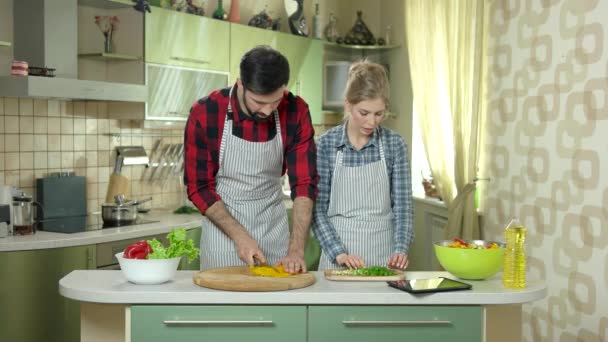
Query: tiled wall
x,y
39,136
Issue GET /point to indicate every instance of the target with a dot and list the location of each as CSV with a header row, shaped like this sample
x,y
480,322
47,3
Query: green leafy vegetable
x,y
375,271
184,209
178,246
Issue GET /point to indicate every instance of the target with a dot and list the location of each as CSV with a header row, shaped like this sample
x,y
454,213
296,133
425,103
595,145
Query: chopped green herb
x,y
374,271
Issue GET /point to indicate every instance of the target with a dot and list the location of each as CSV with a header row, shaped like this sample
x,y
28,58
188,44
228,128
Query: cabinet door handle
x,y
221,323
392,323
190,60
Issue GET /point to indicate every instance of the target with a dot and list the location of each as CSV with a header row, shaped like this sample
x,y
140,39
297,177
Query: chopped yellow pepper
x,y
267,271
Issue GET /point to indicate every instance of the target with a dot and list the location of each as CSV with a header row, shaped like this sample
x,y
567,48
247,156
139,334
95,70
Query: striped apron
x,y
360,211
248,181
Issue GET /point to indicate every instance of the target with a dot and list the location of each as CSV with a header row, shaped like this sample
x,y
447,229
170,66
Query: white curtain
x,y
445,41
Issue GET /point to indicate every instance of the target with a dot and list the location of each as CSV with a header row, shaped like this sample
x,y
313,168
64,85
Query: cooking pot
x,y
122,212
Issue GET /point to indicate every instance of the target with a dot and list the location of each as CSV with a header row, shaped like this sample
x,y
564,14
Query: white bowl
x,y
148,272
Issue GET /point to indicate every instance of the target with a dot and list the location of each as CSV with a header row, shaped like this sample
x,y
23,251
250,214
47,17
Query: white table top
x,y
44,240
100,286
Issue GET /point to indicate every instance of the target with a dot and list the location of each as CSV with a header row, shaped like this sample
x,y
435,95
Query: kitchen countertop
x,y
44,240
112,287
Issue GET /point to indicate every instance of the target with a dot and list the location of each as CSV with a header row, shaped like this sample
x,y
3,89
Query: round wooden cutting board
x,y
238,278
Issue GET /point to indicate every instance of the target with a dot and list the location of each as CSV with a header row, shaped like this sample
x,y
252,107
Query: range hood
x,y
46,35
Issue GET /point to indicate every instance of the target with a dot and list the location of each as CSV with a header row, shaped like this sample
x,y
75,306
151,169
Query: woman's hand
x,y
350,261
398,261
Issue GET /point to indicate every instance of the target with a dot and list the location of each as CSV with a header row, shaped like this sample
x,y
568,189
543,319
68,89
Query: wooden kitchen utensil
x,y
118,184
333,275
239,278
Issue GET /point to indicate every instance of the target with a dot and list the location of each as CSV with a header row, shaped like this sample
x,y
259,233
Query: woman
x,y
363,215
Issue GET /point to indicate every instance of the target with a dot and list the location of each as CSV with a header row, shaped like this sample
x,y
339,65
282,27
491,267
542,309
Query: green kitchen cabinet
x,y
394,323
309,81
186,40
218,323
31,308
243,38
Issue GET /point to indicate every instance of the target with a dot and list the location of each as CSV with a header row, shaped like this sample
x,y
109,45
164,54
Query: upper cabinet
x,y
243,38
186,40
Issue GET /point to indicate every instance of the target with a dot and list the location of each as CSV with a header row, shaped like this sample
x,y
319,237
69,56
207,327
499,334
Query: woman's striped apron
x,y
360,211
248,181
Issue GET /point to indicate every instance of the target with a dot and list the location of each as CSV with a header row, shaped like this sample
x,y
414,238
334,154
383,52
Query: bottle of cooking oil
x,y
514,267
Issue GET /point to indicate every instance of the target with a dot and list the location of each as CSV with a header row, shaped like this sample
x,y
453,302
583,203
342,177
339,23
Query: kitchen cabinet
x,y
393,323
31,308
218,323
187,40
243,38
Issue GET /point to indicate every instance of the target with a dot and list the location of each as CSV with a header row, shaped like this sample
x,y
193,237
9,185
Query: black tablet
x,y
439,284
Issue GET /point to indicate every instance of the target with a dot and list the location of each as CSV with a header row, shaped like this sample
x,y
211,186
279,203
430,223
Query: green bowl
x,y
471,264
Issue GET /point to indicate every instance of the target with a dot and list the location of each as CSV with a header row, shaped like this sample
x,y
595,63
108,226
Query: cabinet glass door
x,y
172,90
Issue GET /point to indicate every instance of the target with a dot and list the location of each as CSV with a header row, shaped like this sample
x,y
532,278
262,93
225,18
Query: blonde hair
x,y
366,81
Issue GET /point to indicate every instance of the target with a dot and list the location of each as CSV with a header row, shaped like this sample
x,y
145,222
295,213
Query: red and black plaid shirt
x,y
203,135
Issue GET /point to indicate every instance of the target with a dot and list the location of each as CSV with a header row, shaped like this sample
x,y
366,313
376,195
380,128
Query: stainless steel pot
x,y
122,212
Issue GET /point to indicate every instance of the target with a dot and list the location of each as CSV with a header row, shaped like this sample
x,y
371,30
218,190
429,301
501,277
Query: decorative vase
x,y
219,11
234,16
108,45
297,21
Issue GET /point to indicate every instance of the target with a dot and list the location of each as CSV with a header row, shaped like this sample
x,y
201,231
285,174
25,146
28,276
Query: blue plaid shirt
x,y
399,173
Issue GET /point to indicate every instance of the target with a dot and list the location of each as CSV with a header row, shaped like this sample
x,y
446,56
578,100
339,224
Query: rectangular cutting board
x,y
331,275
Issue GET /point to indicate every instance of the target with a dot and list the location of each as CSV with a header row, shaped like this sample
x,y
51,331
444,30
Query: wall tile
x,y
54,125
11,178
67,126
54,108
11,142
26,160
40,143
67,160
26,180
80,159
26,142
54,142
1,162
91,144
79,109
1,105
91,157
80,126
67,143
104,158
92,175
80,142
41,125
26,107
26,124
91,190
102,109
11,124
41,107
41,160
103,142
54,160
11,106
1,142
91,126
91,109
11,161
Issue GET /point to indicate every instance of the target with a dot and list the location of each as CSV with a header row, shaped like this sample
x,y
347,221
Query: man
x,y
239,141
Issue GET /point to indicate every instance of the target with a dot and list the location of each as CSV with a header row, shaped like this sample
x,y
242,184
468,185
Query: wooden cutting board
x,y
238,278
331,275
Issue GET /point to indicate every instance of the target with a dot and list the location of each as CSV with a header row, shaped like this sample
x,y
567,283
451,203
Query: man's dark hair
x,y
264,70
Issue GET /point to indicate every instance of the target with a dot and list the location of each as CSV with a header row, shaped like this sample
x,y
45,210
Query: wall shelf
x,y
106,4
109,56
362,47
5,43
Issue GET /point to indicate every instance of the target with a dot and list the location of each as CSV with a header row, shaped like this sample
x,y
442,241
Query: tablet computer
x,y
429,285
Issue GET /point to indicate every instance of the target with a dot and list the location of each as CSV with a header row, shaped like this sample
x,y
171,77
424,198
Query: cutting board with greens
x,y
372,273
252,279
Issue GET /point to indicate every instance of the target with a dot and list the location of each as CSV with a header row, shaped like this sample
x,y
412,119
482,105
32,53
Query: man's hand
x,y
350,261
247,249
294,263
398,261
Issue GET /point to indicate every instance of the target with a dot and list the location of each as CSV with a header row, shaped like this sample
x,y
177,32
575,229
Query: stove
x,y
95,222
